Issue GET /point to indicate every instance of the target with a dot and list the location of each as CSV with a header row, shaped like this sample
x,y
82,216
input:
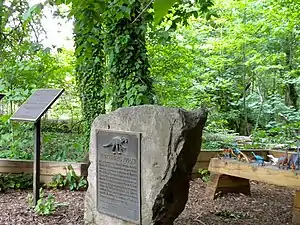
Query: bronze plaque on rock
x,y
118,174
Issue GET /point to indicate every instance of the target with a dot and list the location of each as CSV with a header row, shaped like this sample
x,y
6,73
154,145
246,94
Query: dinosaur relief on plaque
x,y
117,145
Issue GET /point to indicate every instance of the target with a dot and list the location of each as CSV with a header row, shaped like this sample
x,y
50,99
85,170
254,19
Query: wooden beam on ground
x,y
296,208
267,174
48,168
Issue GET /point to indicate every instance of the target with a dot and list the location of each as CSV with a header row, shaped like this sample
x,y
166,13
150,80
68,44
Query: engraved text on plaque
x,y
118,174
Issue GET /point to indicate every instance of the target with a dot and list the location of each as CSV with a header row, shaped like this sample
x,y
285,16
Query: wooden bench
x,y
232,176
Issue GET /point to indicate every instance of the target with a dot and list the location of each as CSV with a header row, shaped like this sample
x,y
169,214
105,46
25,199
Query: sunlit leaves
x,y
35,9
161,8
58,2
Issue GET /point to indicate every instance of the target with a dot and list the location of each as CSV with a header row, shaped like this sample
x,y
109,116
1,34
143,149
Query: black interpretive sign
x,y
2,96
118,174
32,111
37,104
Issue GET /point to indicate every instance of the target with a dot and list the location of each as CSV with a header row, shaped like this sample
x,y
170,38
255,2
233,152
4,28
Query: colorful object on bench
x,y
260,160
226,153
238,154
294,160
236,151
283,160
298,153
229,153
273,159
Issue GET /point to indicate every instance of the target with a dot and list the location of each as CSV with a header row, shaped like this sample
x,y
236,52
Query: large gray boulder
x,y
170,143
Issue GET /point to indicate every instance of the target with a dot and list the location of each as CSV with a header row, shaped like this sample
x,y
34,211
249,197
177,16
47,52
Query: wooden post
x,y
36,165
296,208
221,184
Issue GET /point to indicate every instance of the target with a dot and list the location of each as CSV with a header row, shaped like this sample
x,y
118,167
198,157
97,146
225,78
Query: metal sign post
x,y
32,111
36,163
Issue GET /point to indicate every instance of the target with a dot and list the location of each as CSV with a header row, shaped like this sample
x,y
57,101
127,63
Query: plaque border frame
x,y
139,137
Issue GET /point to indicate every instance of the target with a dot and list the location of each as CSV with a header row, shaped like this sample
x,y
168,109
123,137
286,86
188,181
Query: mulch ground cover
x,y
14,209
268,205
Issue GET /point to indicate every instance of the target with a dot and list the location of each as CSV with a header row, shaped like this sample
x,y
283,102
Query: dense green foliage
x,y
238,58
15,181
242,64
25,65
112,60
71,180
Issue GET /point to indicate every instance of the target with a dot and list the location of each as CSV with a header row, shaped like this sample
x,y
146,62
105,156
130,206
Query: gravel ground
x,y
268,205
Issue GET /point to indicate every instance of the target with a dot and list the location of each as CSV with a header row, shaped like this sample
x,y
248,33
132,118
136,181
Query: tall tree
x,y
112,61
128,67
90,61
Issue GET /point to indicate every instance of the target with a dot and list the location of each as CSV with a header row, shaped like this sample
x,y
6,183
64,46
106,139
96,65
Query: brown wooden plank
x,y
268,174
46,179
47,167
279,153
296,208
205,157
200,165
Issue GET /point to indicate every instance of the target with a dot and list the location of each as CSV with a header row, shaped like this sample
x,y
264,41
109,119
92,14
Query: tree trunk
x,y
129,76
90,69
291,96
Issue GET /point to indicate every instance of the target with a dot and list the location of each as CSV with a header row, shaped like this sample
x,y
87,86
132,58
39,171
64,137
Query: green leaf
x,y
37,8
161,8
131,101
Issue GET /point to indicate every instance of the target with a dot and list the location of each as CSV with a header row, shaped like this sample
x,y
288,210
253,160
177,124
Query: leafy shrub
x,y
17,143
46,205
15,181
204,174
16,139
63,147
71,180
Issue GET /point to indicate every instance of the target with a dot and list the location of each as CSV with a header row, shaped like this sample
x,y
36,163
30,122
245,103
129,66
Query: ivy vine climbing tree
x,y
112,67
123,25
90,61
129,78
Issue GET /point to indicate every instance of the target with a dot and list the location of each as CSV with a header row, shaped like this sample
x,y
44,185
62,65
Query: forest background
x,y
240,59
